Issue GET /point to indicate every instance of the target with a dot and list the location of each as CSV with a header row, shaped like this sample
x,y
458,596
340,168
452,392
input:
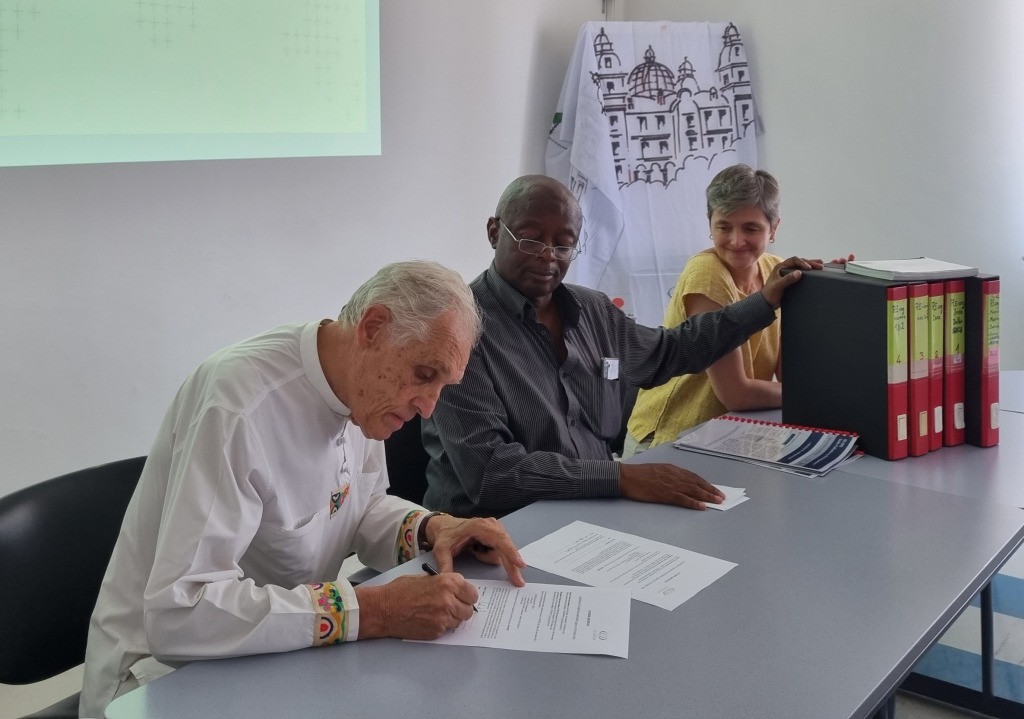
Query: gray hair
x,y
742,186
416,293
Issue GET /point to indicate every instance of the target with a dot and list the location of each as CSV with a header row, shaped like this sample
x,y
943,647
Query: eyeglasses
x,y
535,248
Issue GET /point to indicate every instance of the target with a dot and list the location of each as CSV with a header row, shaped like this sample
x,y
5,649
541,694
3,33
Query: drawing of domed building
x,y
658,120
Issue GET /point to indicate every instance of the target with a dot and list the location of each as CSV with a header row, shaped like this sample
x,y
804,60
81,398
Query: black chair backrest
x,y
56,539
407,462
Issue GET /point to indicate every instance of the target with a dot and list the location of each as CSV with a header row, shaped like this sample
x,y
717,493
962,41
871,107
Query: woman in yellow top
x,y
743,210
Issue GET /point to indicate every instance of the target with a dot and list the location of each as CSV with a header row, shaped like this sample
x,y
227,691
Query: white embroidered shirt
x,y
256,489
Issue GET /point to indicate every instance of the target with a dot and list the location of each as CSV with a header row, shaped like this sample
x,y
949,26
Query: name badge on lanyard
x,y
610,367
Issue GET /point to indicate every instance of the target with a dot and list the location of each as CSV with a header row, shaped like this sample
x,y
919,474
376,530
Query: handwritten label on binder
x,y
919,363
897,340
991,358
955,326
935,331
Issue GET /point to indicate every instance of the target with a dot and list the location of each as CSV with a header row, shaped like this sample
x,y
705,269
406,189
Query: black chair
x,y
56,539
407,462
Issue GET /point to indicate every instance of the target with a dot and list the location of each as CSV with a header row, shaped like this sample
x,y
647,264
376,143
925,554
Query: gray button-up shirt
x,y
522,426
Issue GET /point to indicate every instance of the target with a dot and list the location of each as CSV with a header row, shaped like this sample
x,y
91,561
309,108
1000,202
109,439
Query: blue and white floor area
x,y
957,656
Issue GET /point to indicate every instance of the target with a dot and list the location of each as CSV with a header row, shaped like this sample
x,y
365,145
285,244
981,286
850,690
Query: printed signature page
x,y
546,618
655,573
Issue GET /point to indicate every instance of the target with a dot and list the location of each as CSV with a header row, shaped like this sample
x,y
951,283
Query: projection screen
x,y
89,81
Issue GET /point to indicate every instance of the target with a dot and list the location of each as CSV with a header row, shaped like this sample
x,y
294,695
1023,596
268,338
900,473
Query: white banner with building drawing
x,y
649,113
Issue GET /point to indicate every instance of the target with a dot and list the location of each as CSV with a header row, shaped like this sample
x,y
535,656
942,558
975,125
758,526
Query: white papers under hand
x,y
656,573
546,618
733,496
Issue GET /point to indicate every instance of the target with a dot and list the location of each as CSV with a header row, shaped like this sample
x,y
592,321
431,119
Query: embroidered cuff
x,y
406,547
599,478
337,613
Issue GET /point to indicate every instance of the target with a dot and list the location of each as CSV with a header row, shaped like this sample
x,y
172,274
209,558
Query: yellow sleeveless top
x,y
689,400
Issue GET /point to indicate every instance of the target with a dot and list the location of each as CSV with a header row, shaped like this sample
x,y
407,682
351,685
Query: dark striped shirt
x,y
522,427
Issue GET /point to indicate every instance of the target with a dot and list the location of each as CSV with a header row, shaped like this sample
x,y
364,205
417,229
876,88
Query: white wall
x,y
895,128
116,280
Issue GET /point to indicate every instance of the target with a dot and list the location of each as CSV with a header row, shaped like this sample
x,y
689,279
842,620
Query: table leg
x,y
987,641
888,709
984,702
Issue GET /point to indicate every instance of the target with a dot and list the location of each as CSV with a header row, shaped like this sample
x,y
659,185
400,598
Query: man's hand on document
x,y
666,484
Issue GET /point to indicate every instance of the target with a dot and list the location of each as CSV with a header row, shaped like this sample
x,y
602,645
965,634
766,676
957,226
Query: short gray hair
x,y
740,186
416,293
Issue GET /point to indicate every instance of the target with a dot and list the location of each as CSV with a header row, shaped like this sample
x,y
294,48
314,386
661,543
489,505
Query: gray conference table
x,y
840,588
992,474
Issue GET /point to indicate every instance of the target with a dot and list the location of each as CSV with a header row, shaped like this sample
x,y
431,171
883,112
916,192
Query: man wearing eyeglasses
x,y
540,398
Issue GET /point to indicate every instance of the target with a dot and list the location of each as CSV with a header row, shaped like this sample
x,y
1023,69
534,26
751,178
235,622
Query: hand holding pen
x,y
415,606
434,573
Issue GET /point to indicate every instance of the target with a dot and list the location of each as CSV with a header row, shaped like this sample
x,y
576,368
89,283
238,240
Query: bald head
x,y
529,191
534,209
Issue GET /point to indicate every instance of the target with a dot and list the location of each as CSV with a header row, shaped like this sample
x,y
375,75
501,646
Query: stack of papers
x,y
798,450
915,269
733,496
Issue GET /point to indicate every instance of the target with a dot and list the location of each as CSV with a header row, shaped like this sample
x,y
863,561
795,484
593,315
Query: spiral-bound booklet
x,y
806,451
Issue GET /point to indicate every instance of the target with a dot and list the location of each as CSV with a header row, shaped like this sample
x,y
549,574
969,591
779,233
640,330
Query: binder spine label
x,y
991,356
955,327
954,376
936,358
919,306
920,356
935,332
988,410
897,340
897,336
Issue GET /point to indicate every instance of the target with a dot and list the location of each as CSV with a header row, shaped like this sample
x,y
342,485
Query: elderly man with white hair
x,y
268,471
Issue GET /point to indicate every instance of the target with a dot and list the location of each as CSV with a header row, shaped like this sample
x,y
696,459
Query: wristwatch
x,y
421,538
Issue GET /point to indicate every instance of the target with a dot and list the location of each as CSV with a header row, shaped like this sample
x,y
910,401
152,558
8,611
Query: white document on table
x,y
546,618
655,573
733,496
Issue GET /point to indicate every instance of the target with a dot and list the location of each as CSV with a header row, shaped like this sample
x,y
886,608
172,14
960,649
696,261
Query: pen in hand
x,y
434,573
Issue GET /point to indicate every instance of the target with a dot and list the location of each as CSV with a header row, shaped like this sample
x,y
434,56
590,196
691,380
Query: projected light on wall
x,y
85,81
